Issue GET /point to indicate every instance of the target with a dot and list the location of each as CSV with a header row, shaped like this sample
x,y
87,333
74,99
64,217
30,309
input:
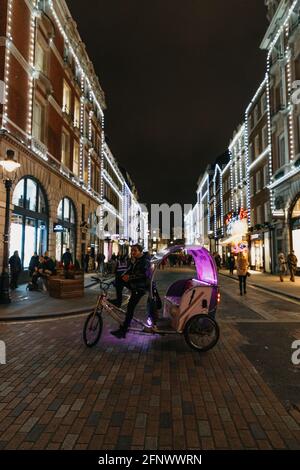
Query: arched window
x,y
65,228
30,220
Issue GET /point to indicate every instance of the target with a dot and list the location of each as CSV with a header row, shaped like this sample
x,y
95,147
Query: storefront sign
x,y
256,236
58,228
236,222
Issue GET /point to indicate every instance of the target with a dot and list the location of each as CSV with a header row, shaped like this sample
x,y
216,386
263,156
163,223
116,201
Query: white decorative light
x,y
77,61
31,75
111,183
260,157
269,118
248,196
231,180
282,27
110,159
82,116
9,40
90,151
290,105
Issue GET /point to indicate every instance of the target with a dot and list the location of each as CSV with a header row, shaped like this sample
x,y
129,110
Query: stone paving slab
x,y
271,283
144,391
33,305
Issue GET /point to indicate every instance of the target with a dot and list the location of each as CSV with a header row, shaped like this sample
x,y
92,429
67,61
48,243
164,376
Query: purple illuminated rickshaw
x,y
189,306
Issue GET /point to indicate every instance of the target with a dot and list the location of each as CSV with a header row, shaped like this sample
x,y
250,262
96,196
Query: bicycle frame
x,y
112,310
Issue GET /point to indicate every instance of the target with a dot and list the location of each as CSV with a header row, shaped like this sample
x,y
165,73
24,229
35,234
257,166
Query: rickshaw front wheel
x,y
201,333
92,329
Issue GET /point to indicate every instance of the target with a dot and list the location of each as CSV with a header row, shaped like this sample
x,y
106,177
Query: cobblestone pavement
x,y
149,392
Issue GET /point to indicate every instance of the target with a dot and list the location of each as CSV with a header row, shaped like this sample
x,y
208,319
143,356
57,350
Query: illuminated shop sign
x,y
237,222
58,228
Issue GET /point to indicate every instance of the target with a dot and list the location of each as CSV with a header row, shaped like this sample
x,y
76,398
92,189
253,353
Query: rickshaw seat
x,y
180,287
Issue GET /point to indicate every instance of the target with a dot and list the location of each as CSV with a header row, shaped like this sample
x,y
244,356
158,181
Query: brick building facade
x,y
52,115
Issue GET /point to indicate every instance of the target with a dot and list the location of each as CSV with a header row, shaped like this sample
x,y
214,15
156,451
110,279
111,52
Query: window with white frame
x,y
264,103
299,131
281,150
258,181
40,58
66,98
252,217
250,153
77,113
86,170
267,211
65,149
258,215
251,186
265,137
38,121
250,121
256,145
256,114
76,153
266,175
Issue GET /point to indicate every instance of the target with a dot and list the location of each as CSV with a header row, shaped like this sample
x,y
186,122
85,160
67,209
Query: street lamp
x,y
9,167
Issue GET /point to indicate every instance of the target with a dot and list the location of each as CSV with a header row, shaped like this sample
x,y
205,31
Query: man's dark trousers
x,y
135,297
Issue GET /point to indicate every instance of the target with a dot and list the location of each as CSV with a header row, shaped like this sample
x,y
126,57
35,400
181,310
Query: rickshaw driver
x,y
136,279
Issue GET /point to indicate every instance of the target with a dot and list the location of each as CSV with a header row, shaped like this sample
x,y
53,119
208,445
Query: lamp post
x,y
9,166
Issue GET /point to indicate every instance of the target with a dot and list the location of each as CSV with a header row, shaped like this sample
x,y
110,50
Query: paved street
x,y
149,392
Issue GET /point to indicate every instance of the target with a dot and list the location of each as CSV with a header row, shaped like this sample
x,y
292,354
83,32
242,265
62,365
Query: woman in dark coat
x,y
15,269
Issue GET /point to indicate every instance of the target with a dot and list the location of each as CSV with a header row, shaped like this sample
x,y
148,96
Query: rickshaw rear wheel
x,y
201,333
92,329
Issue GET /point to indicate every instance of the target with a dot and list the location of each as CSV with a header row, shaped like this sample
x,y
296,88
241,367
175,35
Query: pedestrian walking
x,y
86,262
100,262
281,265
218,260
231,264
34,261
242,271
292,264
15,269
67,259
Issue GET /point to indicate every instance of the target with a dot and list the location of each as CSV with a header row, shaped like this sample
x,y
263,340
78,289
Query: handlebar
x,y
104,285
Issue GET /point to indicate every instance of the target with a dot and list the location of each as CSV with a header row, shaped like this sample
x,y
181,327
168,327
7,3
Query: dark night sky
x,y
177,76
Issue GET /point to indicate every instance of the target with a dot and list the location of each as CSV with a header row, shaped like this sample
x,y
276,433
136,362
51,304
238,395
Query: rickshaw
x,y
189,305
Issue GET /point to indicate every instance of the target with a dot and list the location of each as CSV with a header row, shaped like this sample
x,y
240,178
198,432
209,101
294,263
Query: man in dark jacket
x,y
136,279
34,262
15,269
67,258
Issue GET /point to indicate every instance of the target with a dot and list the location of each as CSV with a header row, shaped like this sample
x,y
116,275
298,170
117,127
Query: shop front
x,y
295,229
65,228
236,229
94,240
30,220
260,251
257,252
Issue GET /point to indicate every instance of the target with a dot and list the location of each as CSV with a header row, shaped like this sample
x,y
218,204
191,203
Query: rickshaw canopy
x,y
204,262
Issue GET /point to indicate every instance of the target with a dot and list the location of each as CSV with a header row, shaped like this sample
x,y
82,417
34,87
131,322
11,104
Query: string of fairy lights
x,y
89,96
9,40
240,152
238,149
